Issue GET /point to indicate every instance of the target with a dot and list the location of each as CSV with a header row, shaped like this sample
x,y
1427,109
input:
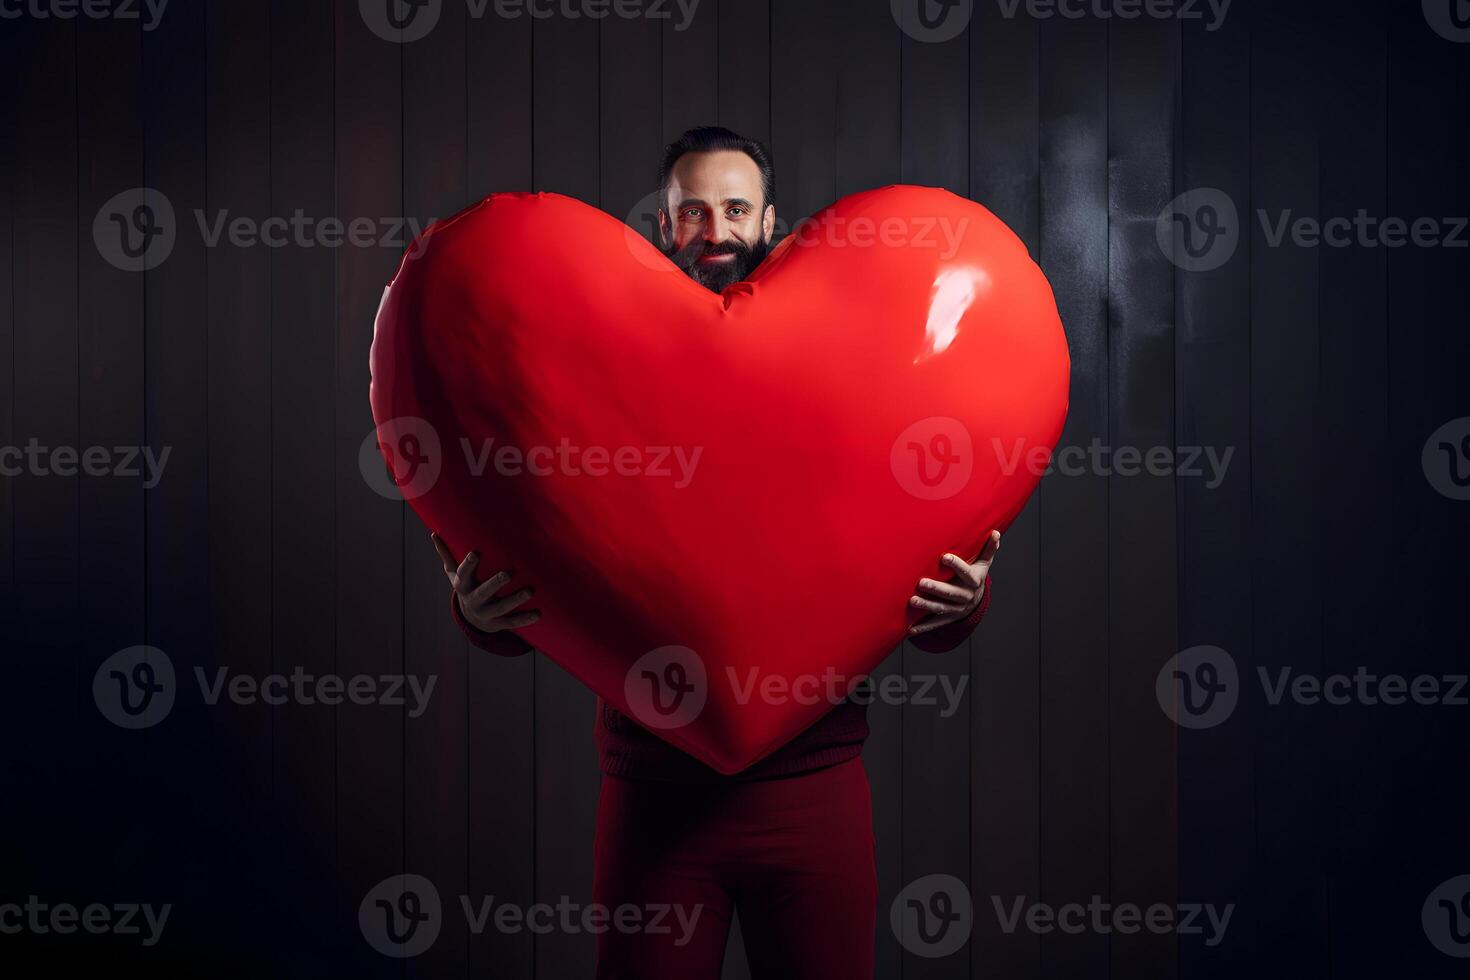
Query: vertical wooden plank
x,y
691,91
934,103
1421,577
866,151
1005,766
369,556
803,124
1352,93
1286,546
238,340
744,65
303,529
186,819
1212,403
1142,566
502,746
435,155
1075,750
45,667
108,298
631,137
566,144
499,110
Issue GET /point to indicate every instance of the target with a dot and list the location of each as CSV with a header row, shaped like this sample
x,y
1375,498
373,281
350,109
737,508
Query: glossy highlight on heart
x,y
719,498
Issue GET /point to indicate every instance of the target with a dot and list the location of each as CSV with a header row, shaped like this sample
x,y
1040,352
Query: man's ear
x,y
665,233
768,222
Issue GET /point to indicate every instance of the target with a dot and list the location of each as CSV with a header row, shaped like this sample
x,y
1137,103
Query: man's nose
x,y
716,230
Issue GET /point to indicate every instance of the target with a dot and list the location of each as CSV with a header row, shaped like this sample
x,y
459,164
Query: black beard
x,y
716,277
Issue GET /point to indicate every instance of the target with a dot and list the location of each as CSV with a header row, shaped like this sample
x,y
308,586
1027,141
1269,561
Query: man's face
x,y
715,224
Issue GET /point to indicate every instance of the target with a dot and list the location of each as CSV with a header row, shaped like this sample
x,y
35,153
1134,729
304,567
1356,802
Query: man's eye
x,y
693,214
736,212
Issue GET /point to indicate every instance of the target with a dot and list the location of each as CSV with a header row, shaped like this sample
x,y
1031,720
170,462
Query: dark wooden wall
x,y
1325,548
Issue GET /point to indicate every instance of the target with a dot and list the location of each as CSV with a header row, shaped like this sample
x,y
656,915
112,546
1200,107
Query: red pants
x,y
793,855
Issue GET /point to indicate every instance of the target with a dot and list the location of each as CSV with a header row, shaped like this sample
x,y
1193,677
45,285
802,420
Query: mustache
x,y
697,249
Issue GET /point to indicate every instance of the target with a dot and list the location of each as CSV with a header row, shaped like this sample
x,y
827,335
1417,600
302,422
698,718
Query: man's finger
x,y
486,590
937,608
947,590
971,575
445,555
987,553
497,608
464,576
931,623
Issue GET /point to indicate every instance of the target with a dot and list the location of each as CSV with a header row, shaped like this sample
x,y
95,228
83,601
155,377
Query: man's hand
x,y
479,604
952,601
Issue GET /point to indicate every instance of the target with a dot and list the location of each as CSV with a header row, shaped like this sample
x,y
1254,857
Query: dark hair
x,y
708,139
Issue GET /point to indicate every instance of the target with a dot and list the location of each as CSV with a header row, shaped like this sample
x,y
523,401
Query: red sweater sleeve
x,y
953,634
506,644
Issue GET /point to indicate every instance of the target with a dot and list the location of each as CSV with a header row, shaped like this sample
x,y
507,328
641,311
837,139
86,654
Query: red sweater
x,y
625,748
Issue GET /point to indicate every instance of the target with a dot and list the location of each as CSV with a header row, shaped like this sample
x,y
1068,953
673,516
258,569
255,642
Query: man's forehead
x,y
715,177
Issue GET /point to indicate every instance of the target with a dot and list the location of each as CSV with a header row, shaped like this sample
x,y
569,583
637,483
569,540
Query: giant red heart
x,y
723,501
